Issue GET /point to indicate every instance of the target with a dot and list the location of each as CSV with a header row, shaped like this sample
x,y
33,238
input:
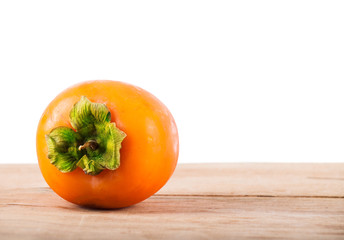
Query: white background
x,y
247,81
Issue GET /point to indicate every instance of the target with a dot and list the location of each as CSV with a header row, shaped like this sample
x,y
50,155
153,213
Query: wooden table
x,y
201,201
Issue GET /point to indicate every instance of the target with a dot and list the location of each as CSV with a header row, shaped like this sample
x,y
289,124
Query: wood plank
x,y
258,179
40,214
202,201
234,179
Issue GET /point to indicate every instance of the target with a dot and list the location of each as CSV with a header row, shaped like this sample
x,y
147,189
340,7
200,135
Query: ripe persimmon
x,y
106,144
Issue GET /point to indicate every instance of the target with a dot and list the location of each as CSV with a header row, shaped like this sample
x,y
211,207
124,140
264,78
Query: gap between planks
x,y
246,196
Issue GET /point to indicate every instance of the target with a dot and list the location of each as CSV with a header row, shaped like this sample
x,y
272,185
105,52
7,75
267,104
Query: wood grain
x,y
204,201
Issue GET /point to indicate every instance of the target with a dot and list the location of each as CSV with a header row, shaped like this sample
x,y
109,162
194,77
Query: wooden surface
x,y
204,201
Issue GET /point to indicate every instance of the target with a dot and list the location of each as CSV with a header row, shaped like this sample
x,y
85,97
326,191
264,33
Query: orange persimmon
x,y
106,144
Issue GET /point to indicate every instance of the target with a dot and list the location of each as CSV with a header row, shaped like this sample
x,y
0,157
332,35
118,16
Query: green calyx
x,y
94,146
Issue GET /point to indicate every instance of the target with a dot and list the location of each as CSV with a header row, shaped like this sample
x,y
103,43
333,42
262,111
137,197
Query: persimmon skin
x,y
149,152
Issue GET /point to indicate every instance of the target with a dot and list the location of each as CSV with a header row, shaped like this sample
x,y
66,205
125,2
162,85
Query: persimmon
x,y
106,144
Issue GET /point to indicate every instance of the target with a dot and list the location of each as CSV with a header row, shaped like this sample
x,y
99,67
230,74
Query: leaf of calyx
x,y
89,166
85,113
62,145
110,137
